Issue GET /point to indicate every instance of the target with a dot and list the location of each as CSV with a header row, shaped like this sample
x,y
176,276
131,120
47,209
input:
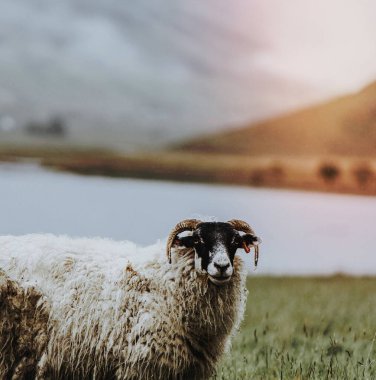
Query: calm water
x,y
302,232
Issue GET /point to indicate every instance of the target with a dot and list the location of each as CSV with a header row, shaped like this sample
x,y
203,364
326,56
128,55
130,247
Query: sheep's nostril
x,y
221,267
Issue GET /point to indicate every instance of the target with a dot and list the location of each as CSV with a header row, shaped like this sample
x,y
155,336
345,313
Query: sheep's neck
x,y
209,312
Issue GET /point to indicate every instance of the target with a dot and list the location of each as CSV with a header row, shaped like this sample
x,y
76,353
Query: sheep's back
x,y
46,261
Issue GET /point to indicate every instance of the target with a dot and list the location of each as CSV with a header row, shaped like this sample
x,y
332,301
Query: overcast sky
x,y
326,43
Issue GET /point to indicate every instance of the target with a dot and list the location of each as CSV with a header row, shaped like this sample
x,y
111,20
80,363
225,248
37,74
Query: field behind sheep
x,y
306,328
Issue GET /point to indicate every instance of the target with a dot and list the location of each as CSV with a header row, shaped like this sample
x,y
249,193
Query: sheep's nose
x,y
221,267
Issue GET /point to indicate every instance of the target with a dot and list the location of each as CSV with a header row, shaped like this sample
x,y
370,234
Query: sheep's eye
x,y
198,242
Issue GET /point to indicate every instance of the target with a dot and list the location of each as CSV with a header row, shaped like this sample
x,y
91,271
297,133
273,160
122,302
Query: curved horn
x,y
184,225
242,226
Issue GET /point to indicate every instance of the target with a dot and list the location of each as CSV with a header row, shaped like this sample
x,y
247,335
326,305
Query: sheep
x,y
99,309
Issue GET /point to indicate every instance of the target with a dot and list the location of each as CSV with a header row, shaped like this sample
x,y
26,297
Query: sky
x,y
328,44
142,73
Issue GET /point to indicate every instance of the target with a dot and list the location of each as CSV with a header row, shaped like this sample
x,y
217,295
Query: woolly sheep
x,y
99,309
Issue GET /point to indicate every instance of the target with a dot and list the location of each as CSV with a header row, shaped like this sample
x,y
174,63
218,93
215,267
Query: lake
x,y
302,232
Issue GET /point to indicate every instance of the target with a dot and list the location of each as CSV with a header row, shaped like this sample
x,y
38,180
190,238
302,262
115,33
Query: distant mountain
x,y
345,126
144,73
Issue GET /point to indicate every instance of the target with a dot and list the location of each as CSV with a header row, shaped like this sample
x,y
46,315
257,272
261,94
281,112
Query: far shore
x,y
329,174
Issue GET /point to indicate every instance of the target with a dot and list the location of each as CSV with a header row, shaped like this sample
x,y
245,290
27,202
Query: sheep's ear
x,y
186,241
249,240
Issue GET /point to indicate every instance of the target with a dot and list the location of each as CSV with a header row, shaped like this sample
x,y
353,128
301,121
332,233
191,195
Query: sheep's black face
x,y
215,246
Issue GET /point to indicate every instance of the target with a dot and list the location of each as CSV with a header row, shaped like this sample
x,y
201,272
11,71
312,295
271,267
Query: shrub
x,y
363,174
329,172
257,177
276,173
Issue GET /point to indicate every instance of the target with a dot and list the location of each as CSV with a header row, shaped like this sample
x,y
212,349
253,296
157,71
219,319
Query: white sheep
x,y
99,309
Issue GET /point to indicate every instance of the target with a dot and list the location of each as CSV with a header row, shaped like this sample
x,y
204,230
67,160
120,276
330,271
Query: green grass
x,y
306,328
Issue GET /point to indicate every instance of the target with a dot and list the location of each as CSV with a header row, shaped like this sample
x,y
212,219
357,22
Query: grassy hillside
x,y
306,328
329,147
323,174
344,127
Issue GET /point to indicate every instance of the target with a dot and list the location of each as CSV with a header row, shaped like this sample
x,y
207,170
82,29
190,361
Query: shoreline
x,y
336,174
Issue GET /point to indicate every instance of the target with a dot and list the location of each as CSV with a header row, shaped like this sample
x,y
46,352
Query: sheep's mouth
x,y
220,280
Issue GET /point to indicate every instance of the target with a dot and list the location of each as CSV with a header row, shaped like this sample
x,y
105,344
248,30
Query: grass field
x,y
306,328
